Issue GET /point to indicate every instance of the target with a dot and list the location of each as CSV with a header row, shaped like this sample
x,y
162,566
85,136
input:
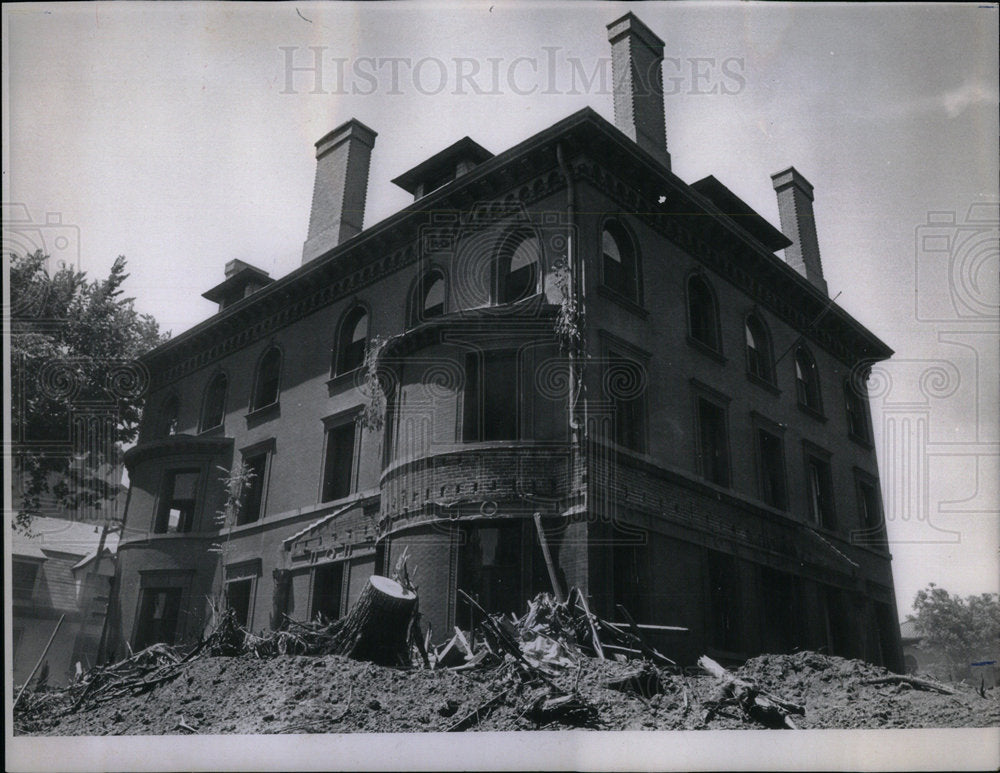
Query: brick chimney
x,y
338,204
637,76
795,208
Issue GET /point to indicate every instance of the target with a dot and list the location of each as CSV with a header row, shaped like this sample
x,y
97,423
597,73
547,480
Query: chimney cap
x,y
792,176
630,23
351,129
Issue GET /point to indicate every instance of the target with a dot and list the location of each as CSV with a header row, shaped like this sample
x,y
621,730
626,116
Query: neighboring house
x,y
703,458
56,572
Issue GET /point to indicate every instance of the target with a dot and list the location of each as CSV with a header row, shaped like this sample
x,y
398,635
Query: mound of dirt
x,y
332,694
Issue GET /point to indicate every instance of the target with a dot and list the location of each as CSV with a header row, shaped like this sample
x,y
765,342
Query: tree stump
x,y
375,629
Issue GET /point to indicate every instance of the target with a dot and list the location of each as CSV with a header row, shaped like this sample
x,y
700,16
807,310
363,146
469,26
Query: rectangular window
x,y
631,580
177,502
328,584
838,632
23,576
500,567
770,452
239,594
724,601
820,492
857,414
253,497
159,611
338,469
778,621
492,397
713,443
625,386
869,505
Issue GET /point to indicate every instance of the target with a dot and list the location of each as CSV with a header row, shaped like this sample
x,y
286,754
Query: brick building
x,y
566,328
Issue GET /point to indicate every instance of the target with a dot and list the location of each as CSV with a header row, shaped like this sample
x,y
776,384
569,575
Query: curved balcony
x,y
474,480
174,445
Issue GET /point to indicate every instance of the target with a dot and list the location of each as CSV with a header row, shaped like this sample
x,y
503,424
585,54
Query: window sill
x,y
763,383
215,431
336,383
812,412
861,441
258,416
705,349
623,301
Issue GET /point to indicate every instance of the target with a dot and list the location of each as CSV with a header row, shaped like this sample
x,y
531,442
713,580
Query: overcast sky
x,y
176,135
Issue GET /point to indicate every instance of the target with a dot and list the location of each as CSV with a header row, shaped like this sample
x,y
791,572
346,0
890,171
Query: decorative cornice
x,y
524,175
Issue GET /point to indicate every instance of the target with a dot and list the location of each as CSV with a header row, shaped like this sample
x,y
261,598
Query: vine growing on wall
x,y
569,318
236,482
373,412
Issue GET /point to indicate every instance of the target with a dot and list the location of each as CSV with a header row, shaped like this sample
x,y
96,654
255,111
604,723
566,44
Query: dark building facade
x,y
565,329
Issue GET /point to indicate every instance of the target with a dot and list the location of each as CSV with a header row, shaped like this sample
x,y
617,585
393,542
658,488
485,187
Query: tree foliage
x,y
77,387
966,629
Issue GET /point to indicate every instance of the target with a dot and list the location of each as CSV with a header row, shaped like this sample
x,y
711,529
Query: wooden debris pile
x,y
754,703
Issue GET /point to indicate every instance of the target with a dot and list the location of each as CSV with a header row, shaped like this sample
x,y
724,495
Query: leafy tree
x,y
76,385
966,629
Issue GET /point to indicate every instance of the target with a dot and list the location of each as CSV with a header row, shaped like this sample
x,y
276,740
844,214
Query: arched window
x,y
620,264
352,341
703,316
268,381
214,407
166,419
807,380
519,264
428,298
758,349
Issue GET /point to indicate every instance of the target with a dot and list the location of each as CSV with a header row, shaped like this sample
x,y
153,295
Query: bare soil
x,y
332,694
